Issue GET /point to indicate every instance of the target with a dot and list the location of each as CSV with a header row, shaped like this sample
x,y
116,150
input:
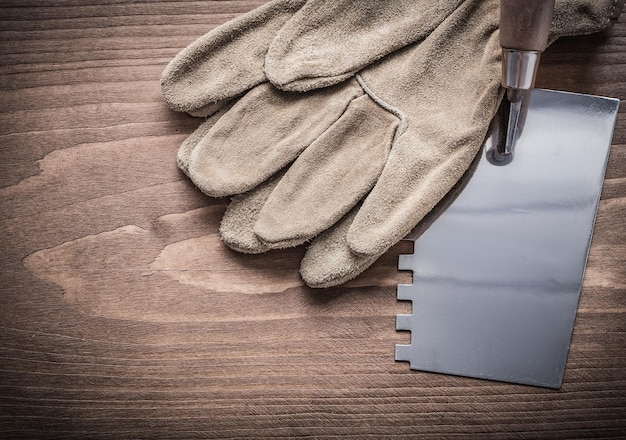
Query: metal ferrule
x,y
519,68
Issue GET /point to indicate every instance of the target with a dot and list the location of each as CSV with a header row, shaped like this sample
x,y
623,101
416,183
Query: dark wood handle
x,y
525,24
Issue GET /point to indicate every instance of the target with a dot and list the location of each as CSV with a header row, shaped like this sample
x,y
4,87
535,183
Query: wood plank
x,y
123,316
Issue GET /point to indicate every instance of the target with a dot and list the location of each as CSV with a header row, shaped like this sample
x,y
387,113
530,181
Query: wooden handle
x,y
525,24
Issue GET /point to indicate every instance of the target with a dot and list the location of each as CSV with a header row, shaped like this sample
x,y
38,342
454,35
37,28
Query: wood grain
x,y
122,316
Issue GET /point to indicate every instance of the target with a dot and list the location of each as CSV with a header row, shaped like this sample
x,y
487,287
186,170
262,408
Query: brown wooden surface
x,y
122,315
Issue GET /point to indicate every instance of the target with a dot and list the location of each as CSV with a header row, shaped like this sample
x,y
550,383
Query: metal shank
x,y
519,68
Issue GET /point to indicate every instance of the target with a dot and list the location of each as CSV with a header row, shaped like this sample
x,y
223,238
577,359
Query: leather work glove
x,y
360,162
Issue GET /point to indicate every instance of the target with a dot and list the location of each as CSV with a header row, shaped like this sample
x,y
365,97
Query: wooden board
x,y
123,316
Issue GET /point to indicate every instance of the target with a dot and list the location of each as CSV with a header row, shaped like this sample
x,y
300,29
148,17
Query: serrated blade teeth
x,y
403,322
405,262
404,292
403,352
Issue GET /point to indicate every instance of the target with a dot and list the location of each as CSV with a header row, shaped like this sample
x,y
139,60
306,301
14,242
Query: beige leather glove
x,y
366,159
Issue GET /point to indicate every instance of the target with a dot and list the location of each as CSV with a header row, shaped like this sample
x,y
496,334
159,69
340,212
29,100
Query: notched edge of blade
x,y
403,321
403,353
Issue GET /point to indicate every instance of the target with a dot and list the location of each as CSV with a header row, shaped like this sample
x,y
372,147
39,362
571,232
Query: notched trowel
x,y
497,276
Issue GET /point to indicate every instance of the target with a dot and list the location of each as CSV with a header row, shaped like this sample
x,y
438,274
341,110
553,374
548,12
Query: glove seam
x,y
385,105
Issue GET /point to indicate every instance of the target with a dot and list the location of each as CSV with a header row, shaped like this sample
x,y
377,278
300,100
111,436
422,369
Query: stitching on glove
x,y
378,100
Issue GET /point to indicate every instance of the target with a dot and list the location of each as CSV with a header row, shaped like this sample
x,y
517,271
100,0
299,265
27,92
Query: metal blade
x,y
497,276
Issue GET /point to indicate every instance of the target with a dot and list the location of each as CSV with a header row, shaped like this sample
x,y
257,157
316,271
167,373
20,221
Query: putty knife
x,y
497,275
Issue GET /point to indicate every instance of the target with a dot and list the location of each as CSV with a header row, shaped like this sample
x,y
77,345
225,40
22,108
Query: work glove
x,y
366,159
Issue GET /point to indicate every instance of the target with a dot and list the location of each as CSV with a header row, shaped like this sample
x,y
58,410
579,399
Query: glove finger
x,y
331,175
326,42
329,262
405,193
227,61
242,213
184,151
262,133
